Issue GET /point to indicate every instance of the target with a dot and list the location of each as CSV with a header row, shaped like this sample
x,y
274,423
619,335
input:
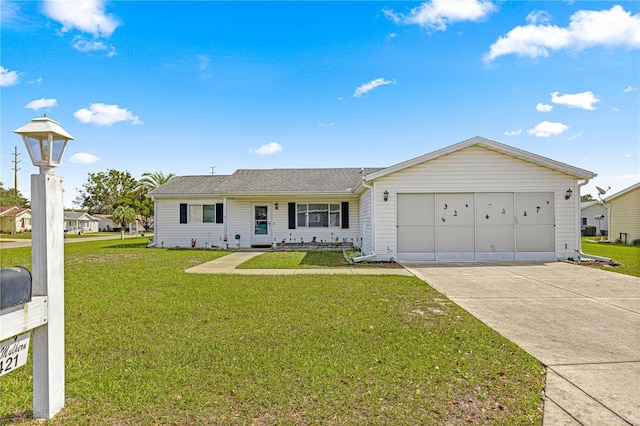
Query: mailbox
x,y
15,286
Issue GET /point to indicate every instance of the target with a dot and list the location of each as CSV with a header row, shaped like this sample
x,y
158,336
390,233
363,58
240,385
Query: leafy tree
x,y
124,216
587,197
154,180
103,192
11,197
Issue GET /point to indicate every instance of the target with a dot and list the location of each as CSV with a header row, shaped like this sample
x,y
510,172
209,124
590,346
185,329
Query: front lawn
x,y
627,256
296,260
147,343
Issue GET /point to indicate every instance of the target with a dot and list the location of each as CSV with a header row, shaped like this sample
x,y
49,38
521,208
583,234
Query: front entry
x,y
261,228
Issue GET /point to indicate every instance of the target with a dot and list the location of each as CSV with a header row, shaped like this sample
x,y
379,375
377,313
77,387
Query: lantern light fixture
x,y
569,192
45,141
386,195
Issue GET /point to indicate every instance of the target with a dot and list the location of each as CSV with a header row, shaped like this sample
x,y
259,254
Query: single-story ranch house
x,y
475,200
14,220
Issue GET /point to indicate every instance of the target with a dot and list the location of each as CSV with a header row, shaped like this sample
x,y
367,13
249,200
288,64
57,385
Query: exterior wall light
x,y
569,192
386,195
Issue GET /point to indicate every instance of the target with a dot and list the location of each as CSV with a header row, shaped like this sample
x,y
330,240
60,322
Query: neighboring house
x,y
14,220
475,200
593,213
624,214
105,222
80,222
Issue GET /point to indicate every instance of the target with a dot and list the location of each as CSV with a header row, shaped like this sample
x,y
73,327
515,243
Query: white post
x,y
47,209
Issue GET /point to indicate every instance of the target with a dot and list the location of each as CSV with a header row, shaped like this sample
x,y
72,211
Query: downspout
x,y
155,223
373,226
225,241
579,227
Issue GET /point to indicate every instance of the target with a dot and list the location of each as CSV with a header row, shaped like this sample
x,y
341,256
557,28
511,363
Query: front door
x,y
261,228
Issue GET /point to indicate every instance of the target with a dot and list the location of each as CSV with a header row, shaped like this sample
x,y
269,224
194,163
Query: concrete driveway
x,y
583,324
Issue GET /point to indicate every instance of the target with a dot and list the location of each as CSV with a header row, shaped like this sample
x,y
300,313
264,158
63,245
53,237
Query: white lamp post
x,y
46,141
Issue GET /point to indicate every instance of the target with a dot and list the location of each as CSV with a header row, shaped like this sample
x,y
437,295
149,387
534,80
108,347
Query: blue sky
x,y
181,87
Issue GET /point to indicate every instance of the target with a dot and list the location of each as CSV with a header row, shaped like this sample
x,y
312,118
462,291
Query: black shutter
x,y
292,215
183,213
219,213
345,215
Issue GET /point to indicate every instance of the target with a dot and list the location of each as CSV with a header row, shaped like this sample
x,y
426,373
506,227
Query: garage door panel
x,y
415,209
494,208
495,238
455,239
533,208
416,239
454,209
535,238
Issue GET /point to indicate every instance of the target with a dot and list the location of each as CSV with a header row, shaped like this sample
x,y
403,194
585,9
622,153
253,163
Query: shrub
x,y
636,242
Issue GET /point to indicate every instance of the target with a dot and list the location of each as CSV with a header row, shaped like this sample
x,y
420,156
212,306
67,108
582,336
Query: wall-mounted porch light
x,y
386,195
569,192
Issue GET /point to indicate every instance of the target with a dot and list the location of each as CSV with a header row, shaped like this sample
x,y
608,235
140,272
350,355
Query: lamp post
x,y
46,141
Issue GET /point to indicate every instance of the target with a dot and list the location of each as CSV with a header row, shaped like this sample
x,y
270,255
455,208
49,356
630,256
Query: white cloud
x,y
545,129
87,16
513,132
367,87
8,78
36,81
538,17
587,28
84,158
630,89
84,46
436,14
105,115
616,109
267,149
544,107
41,103
584,100
326,124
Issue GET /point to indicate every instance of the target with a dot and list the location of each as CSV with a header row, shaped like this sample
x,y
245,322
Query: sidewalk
x,y
227,265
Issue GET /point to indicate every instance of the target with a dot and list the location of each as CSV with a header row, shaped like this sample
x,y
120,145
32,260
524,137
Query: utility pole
x,y
213,170
15,168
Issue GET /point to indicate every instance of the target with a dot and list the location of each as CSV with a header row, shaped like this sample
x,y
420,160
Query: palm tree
x,y
124,215
154,180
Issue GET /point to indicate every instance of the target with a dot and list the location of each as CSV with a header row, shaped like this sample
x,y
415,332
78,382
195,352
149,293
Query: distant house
x,y
624,214
80,222
475,200
14,220
106,223
593,213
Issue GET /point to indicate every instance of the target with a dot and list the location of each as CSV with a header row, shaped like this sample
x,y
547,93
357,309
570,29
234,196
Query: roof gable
x,y
623,192
189,185
491,145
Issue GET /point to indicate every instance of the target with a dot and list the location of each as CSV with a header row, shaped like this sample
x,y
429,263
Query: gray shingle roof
x,y
189,185
265,181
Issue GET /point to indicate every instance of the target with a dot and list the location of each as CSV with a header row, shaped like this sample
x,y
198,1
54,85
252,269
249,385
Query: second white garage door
x,y
476,226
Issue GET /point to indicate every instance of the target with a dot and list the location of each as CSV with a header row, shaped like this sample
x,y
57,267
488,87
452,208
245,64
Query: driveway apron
x,y
583,324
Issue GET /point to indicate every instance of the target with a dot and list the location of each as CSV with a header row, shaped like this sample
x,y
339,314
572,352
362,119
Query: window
x,y
201,213
584,221
318,215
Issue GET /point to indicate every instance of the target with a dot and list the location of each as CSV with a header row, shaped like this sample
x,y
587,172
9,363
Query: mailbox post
x,y
46,141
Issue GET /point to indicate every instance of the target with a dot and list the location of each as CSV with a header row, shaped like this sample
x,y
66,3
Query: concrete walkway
x,y
227,265
583,324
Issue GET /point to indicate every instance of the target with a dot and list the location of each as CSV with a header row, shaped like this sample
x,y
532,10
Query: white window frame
x,y
333,213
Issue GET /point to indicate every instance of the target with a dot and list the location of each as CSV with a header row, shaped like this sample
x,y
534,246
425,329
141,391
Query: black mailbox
x,y
15,286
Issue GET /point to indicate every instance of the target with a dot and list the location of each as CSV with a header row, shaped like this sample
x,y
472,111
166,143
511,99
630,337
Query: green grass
x,y
627,256
147,343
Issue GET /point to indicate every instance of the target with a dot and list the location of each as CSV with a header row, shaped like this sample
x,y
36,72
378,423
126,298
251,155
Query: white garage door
x,y
476,226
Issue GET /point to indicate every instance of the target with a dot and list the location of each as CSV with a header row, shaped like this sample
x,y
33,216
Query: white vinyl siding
x,y
366,227
624,216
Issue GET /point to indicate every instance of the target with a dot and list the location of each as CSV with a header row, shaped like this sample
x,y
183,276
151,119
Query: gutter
x,y
579,251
